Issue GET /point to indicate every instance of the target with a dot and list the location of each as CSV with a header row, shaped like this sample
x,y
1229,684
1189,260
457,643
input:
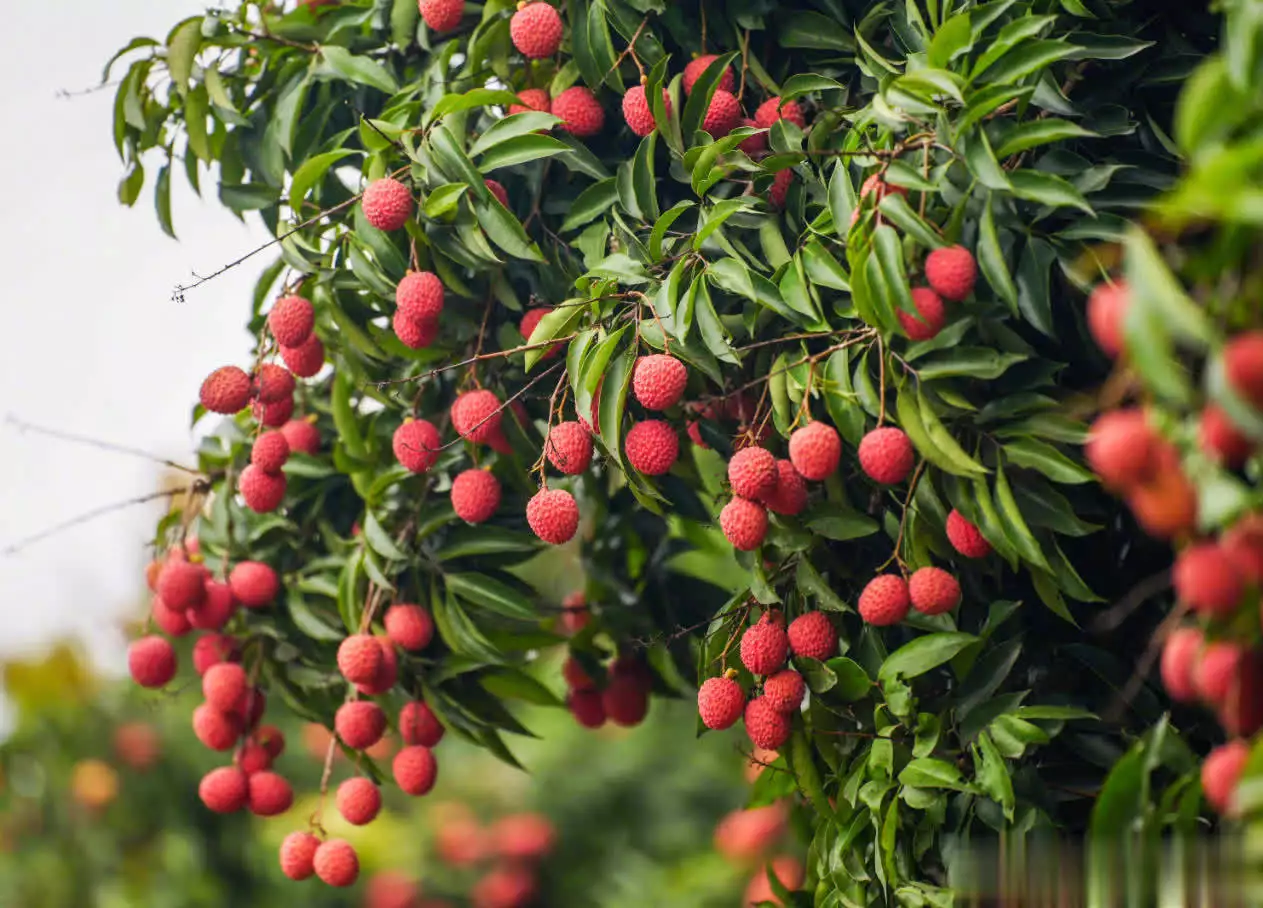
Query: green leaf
x,y
715,216
714,335
888,252
162,200
590,204
1015,524
853,682
842,199
663,224
465,542
803,83
511,684
802,763
380,540
811,584
444,199
923,654
309,622
248,196
358,69
1047,189
557,323
703,90
493,595
511,127
477,97
311,172
931,438
951,39
1022,61
981,161
460,633
927,772
841,524
505,230
521,149
896,208
1034,133
643,181
1152,285
183,44
992,774
1036,455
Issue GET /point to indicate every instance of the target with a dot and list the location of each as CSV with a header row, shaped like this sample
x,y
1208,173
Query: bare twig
x,y
23,426
14,548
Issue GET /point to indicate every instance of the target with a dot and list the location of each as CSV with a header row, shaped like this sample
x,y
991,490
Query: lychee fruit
x,y
1165,506
441,15
476,415
933,591
182,584
498,190
788,870
302,436
569,447
224,686
720,702
359,800
886,455
137,744
1222,440
785,691
814,450
273,415
226,390
575,675
951,272
505,886
523,836
387,674
536,30
789,497
212,649
419,296
930,317
779,190
359,723
1243,542
658,381
532,99
767,726
587,707
652,447
224,789
530,321
475,495
756,144
291,320
413,334
151,661
773,109
409,626
419,725
553,515
1121,448
216,730
270,794
254,584
1180,656
359,658
694,68
298,853
1216,670
1106,311
637,113
273,383
764,645
252,757
415,769
723,115
744,836
169,621
416,445
744,523
752,472
270,451
885,600
965,537
1241,712
625,700
1221,771
262,492
574,612
813,635
1243,366
271,739
580,112
336,863
250,710
1208,580
305,360
387,204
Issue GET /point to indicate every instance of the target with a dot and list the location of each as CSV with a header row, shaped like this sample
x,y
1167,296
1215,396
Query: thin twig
x,y
16,547
23,426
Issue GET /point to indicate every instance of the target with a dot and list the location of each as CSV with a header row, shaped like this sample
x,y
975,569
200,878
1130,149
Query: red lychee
x,y
359,723
1222,440
1207,579
553,515
182,584
224,789
476,415
951,272
291,320
415,769
273,383
409,626
137,744
272,740
930,317
886,455
387,204
305,360
789,497
151,661
215,729
262,491
359,658
498,190
251,708
746,835
694,68
270,451
336,863
575,675
506,886
723,115
224,686
1241,712
625,700
787,870
779,190
273,415
965,537
212,649
1243,366
1180,656
756,144
813,635
475,495
441,15
413,334
652,447
767,726
270,794
532,99
536,30
419,296
416,445
885,600
814,450
359,800
765,645
720,702
1243,543
1165,505
387,674
226,390
168,620
774,109
1221,770
254,584
785,691
1121,448
419,725
298,852
530,321
302,436
752,472
569,447
252,757
1216,671
1107,308
587,707
658,381
744,523
523,836
574,612
395,889
636,110
580,112
933,591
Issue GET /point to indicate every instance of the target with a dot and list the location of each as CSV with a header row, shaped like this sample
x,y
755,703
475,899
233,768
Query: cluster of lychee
x,y
747,837
514,844
620,694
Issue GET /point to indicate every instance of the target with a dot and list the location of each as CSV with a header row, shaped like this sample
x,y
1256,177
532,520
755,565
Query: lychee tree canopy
x,y
1035,134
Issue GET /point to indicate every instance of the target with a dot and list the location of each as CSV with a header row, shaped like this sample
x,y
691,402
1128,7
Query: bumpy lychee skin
x,y
637,113
886,455
270,794
419,296
695,67
215,729
273,383
1121,449
224,789
298,852
254,584
262,492
387,204
291,320
1179,660
1217,671
813,635
182,584
652,447
1243,366
409,626
790,495
441,15
587,707
965,537
413,334
885,600
930,318
272,415
553,515
1207,579
773,109
358,801
226,390
764,645
270,451
532,99
744,523
569,447
415,770
767,726
224,686
779,190
419,725
752,473
416,445
271,739
625,700
475,495
933,591
212,649
168,620
151,661
336,863
359,723
387,674
536,30
723,115
1107,309
756,144
252,757
1221,771
1222,440
720,702
476,415
302,436
580,112
951,272
359,657
785,691
658,381
815,450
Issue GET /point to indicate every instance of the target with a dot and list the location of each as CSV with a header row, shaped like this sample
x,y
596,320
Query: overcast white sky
x,y
90,340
